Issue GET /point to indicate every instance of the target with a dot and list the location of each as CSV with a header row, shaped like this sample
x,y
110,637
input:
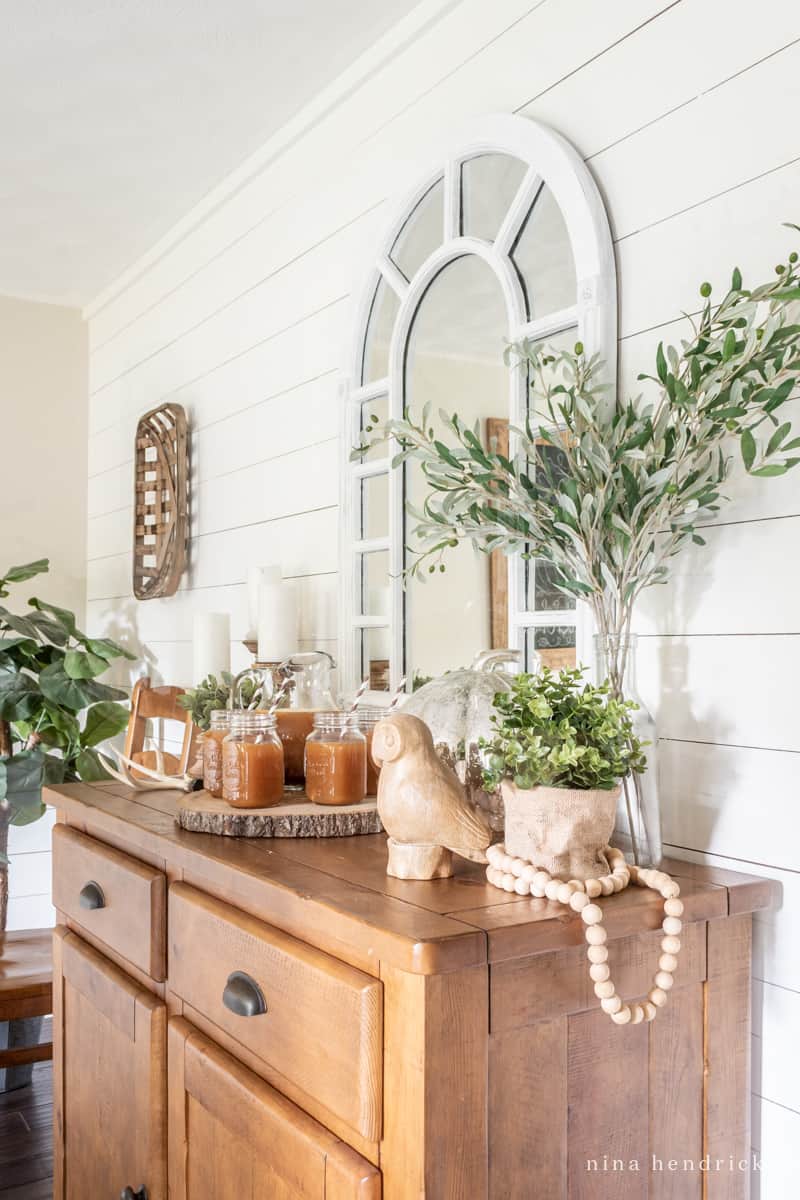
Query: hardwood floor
x,y
26,1139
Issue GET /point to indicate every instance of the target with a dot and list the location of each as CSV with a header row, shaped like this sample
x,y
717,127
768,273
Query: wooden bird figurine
x,y
422,803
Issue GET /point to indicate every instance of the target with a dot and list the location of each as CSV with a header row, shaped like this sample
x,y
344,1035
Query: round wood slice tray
x,y
295,817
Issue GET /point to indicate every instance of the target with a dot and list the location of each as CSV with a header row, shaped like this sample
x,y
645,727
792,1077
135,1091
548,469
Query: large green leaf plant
x,y
54,712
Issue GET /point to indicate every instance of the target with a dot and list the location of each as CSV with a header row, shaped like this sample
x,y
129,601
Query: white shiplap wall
x,y
685,112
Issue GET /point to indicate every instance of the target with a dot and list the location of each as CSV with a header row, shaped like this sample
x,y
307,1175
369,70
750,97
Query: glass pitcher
x,y
310,690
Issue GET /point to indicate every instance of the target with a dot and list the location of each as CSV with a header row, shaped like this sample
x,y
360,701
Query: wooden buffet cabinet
x,y
279,1020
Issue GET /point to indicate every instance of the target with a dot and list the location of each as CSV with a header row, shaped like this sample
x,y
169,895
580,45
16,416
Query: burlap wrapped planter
x,y
563,831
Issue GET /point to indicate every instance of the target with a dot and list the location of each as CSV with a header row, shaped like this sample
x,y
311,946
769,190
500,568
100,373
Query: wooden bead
x,y
494,876
670,944
551,889
593,888
505,863
541,879
673,908
518,866
664,980
494,854
672,926
650,1010
611,1004
565,890
617,882
522,887
595,934
637,1014
508,882
604,989
578,901
536,890
592,914
671,890
657,996
634,873
528,873
606,885
576,885
599,972
667,962
623,1016
597,954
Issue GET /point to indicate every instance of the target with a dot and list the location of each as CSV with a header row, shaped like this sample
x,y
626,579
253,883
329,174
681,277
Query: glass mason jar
x,y
252,761
212,750
367,719
336,760
638,825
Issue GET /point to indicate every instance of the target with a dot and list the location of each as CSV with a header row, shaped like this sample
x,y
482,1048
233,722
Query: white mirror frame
x,y
550,160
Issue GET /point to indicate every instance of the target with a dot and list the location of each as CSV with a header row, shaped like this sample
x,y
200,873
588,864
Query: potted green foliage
x,y
212,693
54,712
609,489
559,750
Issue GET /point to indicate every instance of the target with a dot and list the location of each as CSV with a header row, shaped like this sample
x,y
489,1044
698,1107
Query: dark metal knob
x,y
92,897
243,996
129,1194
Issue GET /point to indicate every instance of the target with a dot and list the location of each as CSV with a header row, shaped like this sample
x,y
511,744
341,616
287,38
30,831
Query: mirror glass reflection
x,y
455,362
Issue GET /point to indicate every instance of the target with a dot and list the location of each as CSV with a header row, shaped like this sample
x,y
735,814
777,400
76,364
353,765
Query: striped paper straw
x,y
362,687
398,694
282,690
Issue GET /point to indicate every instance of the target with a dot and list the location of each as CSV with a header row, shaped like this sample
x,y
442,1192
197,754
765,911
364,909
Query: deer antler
x,y
156,781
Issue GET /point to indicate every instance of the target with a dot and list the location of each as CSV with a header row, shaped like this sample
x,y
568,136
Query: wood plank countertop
x,y
335,893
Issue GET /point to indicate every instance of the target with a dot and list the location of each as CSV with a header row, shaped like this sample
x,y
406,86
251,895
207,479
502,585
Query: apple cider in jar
x,y
294,726
367,719
336,760
218,730
252,761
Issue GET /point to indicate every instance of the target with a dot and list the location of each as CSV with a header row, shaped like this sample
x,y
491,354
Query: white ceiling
x,y
117,116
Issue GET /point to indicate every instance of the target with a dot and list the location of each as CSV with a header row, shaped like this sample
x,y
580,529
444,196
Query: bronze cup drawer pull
x,y
129,1194
91,896
243,996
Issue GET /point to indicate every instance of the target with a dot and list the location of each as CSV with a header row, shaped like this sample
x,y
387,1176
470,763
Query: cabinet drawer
x,y
231,1135
315,1020
113,897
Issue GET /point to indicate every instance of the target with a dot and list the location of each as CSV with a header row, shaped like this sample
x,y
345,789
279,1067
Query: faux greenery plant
x,y
609,489
214,693
53,711
555,730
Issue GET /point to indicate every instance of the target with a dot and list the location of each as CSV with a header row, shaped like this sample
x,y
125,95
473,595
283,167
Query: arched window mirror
x,y
507,239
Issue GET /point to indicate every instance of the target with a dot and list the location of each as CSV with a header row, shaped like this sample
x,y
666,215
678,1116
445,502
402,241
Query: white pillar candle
x,y
255,577
277,622
211,645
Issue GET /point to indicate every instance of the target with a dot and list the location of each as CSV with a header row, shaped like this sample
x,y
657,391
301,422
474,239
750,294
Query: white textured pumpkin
x,y
457,708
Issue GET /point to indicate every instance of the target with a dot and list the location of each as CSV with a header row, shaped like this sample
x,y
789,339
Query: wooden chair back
x,y
150,703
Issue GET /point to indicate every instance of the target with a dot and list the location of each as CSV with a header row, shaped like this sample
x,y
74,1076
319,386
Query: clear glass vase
x,y
638,826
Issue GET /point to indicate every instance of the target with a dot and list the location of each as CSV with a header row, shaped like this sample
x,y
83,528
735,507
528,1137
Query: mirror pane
x,y
555,645
455,362
375,658
374,413
375,593
382,317
422,233
565,340
375,506
541,593
543,257
489,183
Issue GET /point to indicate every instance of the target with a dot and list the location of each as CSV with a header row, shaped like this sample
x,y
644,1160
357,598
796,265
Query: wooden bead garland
x,y
517,875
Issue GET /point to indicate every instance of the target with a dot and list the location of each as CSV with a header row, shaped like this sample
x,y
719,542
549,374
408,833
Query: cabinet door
x,y
109,1094
233,1137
